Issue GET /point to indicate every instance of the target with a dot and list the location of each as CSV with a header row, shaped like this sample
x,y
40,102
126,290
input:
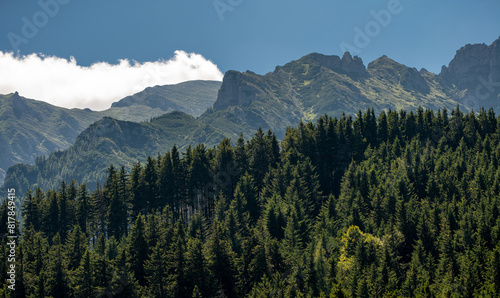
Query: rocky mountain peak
x,y
495,60
123,133
409,78
471,63
353,65
382,61
241,89
238,89
329,61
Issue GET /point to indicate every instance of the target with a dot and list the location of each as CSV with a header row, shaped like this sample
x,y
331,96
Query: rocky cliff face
x,y
495,60
332,62
411,79
241,89
471,63
353,65
475,72
319,84
238,89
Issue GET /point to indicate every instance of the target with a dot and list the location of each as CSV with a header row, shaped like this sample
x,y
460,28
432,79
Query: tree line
x,y
402,204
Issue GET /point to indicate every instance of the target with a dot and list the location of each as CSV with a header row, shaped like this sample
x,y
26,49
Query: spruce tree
x,y
137,250
82,281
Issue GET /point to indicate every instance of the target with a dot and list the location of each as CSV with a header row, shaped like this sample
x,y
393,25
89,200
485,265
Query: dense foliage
x,y
406,204
109,141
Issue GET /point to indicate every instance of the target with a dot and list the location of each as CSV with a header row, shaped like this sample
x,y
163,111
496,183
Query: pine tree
x,y
196,267
56,283
99,207
51,215
258,157
34,262
137,250
177,262
82,283
199,177
65,216
196,292
150,177
165,181
382,127
117,211
225,169
247,189
156,271
220,261
101,268
30,211
137,199
74,248
495,271
337,291
83,208
240,155
273,148
178,182
123,283
71,191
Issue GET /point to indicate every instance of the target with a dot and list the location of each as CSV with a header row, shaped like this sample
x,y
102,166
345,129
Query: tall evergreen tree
x,y
137,250
82,281
83,212
117,211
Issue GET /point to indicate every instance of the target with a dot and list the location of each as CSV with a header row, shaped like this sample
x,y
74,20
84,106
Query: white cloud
x,y
64,83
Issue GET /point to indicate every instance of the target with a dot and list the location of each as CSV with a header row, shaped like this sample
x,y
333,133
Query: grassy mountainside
x,y
110,141
317,84
304,89
192,97
31,128
300,90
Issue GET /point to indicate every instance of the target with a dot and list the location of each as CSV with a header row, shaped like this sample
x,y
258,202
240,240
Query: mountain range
x,y
300,90
31,128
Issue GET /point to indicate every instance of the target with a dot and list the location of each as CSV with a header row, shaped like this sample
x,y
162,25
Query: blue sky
x,y
252,35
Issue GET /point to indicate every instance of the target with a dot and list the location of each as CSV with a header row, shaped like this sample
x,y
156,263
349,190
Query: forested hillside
x,y
30,128
301,90
110,141
399,204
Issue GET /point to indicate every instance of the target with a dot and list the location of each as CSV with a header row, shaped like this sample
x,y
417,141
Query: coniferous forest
x,y
401,204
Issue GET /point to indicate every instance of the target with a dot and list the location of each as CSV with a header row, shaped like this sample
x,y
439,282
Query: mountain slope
x,y
31,128
192,97
475,72
317,84
110,141
300,90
